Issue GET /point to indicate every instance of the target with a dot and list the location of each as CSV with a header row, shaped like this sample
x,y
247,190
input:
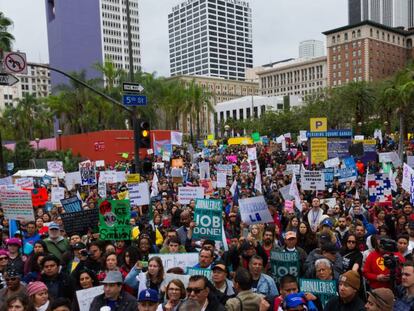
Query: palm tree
x,y
6,38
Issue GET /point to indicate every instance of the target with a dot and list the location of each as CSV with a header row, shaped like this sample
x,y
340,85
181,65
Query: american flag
x,y
379,189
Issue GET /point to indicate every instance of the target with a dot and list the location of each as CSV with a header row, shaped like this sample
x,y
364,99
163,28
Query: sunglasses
x,y
350,241
195,290
3,258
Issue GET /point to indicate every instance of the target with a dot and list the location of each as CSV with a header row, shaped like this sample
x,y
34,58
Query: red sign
x,y
39,196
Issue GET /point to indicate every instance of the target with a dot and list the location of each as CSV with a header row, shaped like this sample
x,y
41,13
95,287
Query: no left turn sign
x,y
15,62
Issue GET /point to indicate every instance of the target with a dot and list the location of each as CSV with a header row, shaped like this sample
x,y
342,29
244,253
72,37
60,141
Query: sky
x,y
278,28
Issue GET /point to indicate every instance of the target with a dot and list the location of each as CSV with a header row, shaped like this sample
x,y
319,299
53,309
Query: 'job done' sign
x,y
208,219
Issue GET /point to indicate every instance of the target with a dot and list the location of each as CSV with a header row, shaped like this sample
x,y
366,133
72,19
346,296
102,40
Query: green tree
x,y
6,38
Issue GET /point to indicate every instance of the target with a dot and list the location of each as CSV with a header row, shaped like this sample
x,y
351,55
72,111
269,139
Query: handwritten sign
x,y
86,296
55,166
186,194
114,218
25,182
254,211
312,180
109,177
139,194
17,205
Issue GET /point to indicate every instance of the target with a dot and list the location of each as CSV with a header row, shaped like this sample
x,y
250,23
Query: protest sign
x,y
324,290
114,218
24,182
389,157
225,168
120,176
133,178
293,168
17,205
186,194
86,296
100,163
221,180
408,172
177,163
349,162
379,190
410,161
176,138
58,193
177,174
331,202
39,196
87,173
72,204
102,189
332,162
312,180
289,206
283,263
109,177
80,222
55,166
254,211
338,147
6,180
329,176
204,170
284,191
200,271
179,260
269,171
346,174
252,154
139,194
231,158
208,217
71,179
207,184
166,156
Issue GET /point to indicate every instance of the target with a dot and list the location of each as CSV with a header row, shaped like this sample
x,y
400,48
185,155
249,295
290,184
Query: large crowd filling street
x,y
216,227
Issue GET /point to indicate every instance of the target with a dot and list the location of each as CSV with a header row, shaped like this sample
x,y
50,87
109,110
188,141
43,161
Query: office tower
x,y
83,33
311,48
392,13
211,38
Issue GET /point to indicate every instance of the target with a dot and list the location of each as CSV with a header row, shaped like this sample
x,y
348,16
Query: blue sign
x,y
346,174
338,147
134,100
330,133
349,162
329,176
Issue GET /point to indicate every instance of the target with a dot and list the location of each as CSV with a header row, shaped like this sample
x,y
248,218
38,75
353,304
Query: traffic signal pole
x,y
135,122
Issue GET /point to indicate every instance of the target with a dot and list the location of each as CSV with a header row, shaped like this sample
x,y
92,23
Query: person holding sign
x,y
348,299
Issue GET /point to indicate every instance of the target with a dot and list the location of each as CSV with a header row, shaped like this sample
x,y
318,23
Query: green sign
x,y
324,290
114,218
208,217
386,167
284,263
200,271
256,137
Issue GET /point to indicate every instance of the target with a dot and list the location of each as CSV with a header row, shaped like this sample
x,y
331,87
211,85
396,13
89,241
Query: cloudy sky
x,y
278,27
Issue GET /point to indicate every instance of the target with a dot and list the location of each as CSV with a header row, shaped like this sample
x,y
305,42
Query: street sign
x,y
8,79
15,62
134,100
130,87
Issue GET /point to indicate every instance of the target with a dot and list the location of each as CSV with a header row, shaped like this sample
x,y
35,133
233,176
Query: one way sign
x,y
129,87
8,79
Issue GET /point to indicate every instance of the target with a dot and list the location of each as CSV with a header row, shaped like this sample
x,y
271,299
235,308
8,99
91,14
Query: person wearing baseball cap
x,y
291,246
56,243
223,285
348,299
148,300
380,299
113,296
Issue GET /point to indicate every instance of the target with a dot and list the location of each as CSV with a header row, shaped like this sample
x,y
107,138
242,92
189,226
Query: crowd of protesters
x,y
365,248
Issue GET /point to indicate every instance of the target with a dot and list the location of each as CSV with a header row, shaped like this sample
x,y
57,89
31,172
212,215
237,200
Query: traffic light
x,y
144,132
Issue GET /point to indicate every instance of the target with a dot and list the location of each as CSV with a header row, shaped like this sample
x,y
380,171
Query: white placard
x,y
176,138
204,168
410,161
25,182
406,181
390,157
255,211
71,179
252,154
86,296
221,180
269,171
139,194
186,194
182,261
302,136
312,180
102,189
109,177
166,156
100,163
55,166
17,205
293,168
284,191
280,139
332,162
331,202
58,193
6,181
225,168
359,137
120,176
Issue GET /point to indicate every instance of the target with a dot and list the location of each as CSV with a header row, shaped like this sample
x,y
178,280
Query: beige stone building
x,y
222,90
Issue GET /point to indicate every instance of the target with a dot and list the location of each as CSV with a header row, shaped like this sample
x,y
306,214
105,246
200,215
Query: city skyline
x,y
278,28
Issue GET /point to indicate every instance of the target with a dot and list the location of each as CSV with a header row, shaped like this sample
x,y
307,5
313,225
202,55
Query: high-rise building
x,y
392,13
311,48
83,33
211,38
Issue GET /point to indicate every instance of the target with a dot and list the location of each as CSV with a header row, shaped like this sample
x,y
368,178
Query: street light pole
x,y
137,136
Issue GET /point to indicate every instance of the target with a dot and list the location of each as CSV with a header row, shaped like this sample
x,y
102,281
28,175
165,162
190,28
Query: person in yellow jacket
x,y
159,240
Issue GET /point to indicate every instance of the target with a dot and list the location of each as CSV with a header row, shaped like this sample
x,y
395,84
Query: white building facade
x,y
211,38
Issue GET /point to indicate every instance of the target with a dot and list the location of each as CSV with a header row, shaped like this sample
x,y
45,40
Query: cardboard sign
x,y
72,179
177,163
252,154
204,168
225,168
24,182
324,290
102,189
221,180
80,222
17,205
332,163
139,194
87,173
293,168
72,204
86,296
133,178
254,211
284,263
109,177
58,193
186,194
312,180
55,166
114,218
284,191
181,260
39,196
208,186
208,217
